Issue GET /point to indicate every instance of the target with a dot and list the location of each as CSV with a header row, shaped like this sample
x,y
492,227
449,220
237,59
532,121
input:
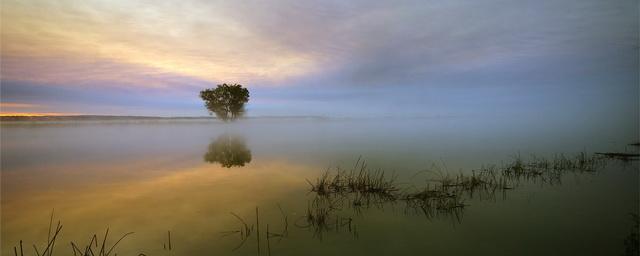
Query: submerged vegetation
x,y
357,180
95,246
621,156
245,232
443,196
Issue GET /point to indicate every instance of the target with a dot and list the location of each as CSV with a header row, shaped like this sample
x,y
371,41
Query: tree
x,y
226,101
229,151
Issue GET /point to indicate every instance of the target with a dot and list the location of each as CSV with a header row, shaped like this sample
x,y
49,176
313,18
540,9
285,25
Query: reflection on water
x,y
135,178
229,151
339,196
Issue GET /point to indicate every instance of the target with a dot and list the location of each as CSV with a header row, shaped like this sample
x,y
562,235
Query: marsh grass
x,y
167,246
361,188
359,179
245,231
52,236
95,247
621,156
549,171
322,216
443,196
435,202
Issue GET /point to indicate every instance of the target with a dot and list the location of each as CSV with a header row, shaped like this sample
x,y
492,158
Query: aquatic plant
x,y
362,187
321,217
52,236
360,180
245,231
93,248
621,156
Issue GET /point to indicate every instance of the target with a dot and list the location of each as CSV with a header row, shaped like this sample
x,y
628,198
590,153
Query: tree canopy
x,y
226,101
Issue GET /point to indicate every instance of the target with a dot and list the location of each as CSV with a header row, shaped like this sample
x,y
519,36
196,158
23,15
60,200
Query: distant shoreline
x,y
59,119
131,118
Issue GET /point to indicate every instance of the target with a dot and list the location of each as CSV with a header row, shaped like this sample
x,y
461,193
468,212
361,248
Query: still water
x,y
198,181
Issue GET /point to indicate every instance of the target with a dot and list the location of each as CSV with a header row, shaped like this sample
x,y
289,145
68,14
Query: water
x,y
187,177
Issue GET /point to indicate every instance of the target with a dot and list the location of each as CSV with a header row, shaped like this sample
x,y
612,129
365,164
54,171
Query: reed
x,y
620,156
91,249
444,196
360,180
52,236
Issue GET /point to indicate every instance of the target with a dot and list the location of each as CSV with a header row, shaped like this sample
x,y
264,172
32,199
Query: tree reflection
x,y
229,151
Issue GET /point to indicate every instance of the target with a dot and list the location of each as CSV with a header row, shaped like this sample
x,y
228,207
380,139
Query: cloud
x,y
153,57
171,38
69,71
17,105
102,99
408,41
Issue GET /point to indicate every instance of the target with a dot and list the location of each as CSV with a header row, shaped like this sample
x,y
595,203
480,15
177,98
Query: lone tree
x,y
226,101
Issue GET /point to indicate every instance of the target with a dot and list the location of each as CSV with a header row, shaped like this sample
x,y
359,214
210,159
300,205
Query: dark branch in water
x,y
621,156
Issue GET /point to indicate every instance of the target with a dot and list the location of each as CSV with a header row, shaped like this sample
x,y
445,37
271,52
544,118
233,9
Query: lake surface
x,y
199,180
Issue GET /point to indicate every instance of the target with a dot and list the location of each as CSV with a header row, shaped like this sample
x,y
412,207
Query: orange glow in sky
x,y
36,114
116,41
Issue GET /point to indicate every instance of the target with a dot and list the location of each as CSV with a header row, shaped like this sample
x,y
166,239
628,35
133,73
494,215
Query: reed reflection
x,y
229,151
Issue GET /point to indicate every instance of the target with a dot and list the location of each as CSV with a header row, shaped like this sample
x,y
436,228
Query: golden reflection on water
x,y
193,202
135,178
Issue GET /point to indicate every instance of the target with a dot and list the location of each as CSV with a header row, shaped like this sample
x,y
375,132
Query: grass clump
x,y
363,187
360,180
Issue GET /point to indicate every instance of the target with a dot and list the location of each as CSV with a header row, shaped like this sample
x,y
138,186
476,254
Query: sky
x,y
544,58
